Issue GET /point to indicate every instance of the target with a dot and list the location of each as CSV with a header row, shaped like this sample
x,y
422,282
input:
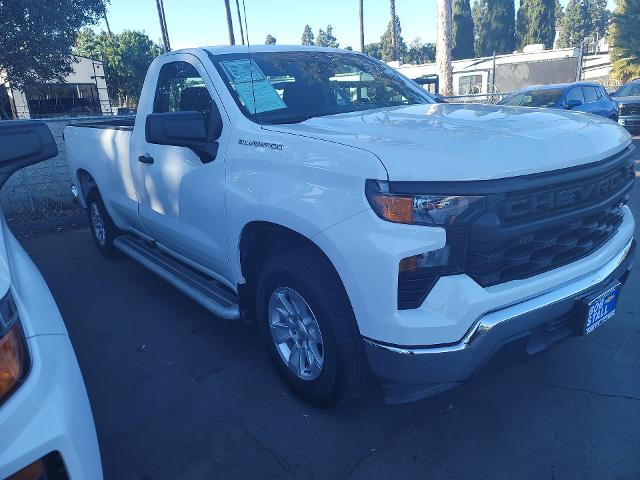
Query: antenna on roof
x,y
163,26
246,29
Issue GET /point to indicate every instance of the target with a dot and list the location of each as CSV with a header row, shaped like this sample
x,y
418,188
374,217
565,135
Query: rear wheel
x,y
308,327
102,228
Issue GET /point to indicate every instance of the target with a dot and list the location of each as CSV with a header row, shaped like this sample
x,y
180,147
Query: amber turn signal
x,y
14,361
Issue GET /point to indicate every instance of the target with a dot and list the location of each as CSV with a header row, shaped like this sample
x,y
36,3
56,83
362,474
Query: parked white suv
x,y
369,228
46,426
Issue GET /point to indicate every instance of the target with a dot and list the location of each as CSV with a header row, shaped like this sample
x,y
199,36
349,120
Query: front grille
x,y
530,224
543,250
633,109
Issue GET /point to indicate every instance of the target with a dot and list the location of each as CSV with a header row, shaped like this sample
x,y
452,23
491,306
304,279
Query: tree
x,y
624,40
559,13
374,50
386,43
420,53
462,30
536,23
443,47
498,28
232,38
326,38
576,24
361,18
478,13
583,18
270,40
126,58
37,37
307,36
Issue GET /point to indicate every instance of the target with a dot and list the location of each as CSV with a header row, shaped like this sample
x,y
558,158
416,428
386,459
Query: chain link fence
x,y
38,198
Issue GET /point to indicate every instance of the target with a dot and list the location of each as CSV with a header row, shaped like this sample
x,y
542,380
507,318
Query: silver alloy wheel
x,y
296,333
98,225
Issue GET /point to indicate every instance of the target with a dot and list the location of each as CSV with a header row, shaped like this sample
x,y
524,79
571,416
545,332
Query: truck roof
x,y
226,49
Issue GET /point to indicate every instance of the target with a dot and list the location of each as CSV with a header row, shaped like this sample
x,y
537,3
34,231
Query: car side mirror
x,y
439,98
571,104
24,142
183,129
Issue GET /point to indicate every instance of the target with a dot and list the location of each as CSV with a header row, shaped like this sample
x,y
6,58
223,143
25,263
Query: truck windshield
x,y
533,98
293,86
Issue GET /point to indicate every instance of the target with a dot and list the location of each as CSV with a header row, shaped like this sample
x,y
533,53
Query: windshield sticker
x,y
240,71
266,97
252,86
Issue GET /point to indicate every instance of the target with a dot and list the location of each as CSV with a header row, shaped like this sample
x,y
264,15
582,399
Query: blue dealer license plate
x,y
601,309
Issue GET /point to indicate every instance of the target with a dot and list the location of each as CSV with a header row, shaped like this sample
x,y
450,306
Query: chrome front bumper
x,y
498,338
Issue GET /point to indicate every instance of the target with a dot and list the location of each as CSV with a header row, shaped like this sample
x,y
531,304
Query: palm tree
x,y
624,40
232,38
443,47
394,32
361,15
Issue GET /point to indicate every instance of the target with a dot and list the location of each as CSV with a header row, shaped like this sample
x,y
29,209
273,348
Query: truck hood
x,y
446,142
633,99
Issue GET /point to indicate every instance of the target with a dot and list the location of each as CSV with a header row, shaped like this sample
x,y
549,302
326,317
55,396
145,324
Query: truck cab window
x,y
181,89
590,94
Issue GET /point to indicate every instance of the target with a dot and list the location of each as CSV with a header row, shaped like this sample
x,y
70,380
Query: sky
x,y
194,23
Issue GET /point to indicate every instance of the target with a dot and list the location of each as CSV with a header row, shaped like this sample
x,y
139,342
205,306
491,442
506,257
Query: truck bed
x,y
123,123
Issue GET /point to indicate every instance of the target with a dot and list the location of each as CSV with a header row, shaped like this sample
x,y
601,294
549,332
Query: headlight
x,y
421,209
14,355
418,274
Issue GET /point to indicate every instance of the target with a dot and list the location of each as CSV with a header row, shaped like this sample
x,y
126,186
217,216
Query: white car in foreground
x,y
46,426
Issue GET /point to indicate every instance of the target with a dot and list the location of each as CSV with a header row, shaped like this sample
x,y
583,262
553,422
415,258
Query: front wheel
x,y
309,329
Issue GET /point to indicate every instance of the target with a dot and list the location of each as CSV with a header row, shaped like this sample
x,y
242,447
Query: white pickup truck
x,y
367,228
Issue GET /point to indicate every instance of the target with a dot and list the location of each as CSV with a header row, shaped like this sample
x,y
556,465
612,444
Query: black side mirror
x,y
439,98
23,143
182,129
573,104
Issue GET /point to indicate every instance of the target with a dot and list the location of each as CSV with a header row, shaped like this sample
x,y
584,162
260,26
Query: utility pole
x,y
394,32
361,15
106,20
163,26
443,47
240,21
232,38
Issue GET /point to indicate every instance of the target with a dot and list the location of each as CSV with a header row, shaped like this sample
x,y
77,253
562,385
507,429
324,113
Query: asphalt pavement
x,y
177,393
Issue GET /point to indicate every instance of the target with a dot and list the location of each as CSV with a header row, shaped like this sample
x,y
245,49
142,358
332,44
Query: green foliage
x,y
559,13
374,50
420,53
583,18
37,37
270,40
624,40
126,58
478,13
462,30
536,23
387,45
497,28
307,36
326,38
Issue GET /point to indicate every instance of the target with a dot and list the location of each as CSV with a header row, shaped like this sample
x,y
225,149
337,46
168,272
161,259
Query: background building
x,y
84,92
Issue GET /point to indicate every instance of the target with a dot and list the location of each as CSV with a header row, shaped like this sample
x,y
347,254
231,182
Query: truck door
x,y
181,199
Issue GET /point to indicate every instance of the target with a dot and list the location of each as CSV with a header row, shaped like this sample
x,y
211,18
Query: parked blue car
x,y
580,96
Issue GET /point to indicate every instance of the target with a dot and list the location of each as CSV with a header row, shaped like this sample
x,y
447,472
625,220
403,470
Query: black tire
x,y
345,371
111,232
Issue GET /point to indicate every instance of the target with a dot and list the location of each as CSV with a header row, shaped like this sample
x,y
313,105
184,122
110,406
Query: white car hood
x,y
446,142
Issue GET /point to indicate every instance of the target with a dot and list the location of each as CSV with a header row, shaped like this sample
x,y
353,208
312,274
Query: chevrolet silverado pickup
x,y
46,425
367,228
